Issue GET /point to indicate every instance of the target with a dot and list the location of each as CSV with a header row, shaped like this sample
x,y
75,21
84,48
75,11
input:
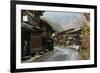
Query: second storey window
x,y
25,18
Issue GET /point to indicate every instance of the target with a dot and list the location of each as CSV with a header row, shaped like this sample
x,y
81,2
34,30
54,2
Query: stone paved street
x,y
60,54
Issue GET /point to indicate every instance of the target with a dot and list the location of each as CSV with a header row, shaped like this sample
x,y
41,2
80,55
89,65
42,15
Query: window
x,y
25,18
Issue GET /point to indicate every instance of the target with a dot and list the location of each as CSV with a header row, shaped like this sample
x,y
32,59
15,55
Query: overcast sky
x,y
61,18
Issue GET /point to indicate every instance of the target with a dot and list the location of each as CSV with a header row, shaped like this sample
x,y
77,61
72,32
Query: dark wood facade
x,y
74,37
68,37
35,32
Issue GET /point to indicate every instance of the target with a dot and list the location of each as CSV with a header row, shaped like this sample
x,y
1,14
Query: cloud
x,y
61,18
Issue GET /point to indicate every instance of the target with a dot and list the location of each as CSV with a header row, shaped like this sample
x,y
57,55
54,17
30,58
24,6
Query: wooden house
x,y
35,32
68,37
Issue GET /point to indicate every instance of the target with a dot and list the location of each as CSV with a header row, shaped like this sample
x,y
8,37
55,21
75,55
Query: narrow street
x,y
60,54
41,30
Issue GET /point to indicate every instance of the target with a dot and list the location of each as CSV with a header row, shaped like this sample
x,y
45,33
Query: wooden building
x,y
74,37
35,33
68,37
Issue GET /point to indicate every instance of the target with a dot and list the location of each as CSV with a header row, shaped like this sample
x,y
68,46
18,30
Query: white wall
x,y
5,37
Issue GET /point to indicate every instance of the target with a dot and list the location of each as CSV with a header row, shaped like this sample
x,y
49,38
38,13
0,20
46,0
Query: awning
x,y
31,28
